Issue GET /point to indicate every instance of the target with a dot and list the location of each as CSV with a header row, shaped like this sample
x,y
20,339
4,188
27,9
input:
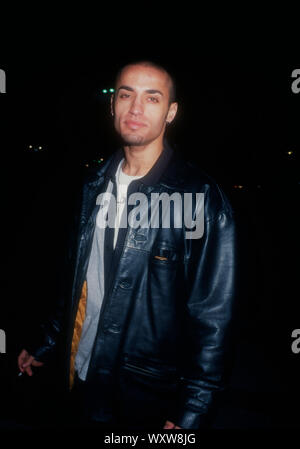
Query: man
x,y
150,310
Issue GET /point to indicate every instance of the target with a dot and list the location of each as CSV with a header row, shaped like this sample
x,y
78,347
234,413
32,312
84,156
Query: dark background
x,y
237,121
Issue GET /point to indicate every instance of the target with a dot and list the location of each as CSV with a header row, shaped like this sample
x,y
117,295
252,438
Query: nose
x,y
136,107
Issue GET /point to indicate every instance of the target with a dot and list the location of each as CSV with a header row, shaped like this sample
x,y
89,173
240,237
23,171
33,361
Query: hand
x,y
171,425
25,360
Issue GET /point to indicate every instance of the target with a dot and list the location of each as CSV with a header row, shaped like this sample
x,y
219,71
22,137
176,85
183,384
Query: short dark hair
x,y
148,63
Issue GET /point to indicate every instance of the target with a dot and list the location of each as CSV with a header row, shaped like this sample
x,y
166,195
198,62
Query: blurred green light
x,y
104,91
111,90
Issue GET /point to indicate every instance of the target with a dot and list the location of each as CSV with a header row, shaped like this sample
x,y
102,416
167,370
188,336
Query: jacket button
x,y
125,284
114,328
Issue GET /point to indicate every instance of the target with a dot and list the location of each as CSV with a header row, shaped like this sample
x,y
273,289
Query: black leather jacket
x,y
166,322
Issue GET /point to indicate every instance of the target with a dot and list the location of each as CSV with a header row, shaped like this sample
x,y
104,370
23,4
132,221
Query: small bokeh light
x,y
105,91
35,148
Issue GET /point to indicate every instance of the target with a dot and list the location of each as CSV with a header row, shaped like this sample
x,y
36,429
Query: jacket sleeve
x,y
211,276
43,342
44,338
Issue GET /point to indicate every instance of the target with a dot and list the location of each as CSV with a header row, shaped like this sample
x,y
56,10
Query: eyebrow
x,y
149,91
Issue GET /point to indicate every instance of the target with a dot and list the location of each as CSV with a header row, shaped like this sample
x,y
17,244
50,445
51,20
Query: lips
x,y
133,124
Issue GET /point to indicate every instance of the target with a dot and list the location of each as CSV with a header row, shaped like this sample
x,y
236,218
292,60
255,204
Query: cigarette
x,y
20,374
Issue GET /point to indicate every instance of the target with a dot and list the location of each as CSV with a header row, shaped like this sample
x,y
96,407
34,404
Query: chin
x,y
134,140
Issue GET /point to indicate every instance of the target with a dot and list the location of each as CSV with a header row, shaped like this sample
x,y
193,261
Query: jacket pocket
x,y
165,255
165,373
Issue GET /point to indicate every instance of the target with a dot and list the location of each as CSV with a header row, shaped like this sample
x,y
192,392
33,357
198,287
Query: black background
x,y
237,120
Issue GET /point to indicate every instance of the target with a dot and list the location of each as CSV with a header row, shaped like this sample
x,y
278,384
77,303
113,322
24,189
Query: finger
x,y
36,363
22,358
28,362
28,371
169,425
21,365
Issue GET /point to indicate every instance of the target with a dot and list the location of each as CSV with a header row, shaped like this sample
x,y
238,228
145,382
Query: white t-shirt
x,y
123,182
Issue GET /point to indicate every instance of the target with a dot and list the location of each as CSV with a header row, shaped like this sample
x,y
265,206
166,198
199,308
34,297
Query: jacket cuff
x,y
41,353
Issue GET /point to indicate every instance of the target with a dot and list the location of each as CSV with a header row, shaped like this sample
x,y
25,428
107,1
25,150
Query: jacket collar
x,y
154,174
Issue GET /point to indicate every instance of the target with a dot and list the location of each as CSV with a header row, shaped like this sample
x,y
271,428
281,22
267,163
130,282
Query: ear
x,y
172,112
112,104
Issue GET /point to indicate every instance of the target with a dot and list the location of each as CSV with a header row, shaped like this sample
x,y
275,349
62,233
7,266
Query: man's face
x,y
141,105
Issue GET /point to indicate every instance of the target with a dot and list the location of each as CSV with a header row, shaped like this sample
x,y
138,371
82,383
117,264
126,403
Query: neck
x,y
140,159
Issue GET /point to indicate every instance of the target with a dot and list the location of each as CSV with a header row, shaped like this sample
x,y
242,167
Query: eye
x,y
124,95
153,99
